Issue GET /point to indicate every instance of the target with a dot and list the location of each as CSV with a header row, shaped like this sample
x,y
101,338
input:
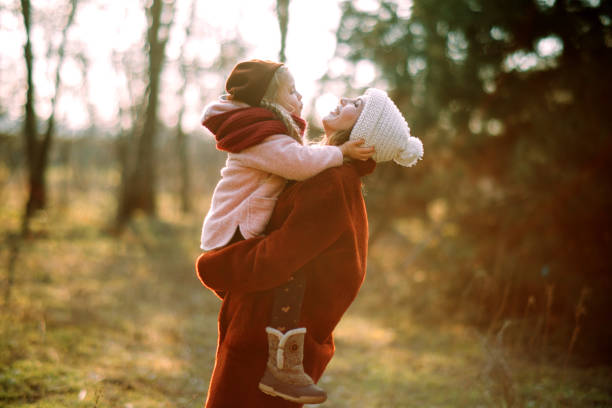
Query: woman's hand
x,y
353,150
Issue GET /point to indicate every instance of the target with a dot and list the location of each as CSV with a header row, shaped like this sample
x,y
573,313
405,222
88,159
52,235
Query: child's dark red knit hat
x,y
249,80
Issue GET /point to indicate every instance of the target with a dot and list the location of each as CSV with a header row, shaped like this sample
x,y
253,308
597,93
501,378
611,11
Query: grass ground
x,y
101,321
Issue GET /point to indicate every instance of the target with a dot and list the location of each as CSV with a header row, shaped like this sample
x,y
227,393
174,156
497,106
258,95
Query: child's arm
x,y
283,156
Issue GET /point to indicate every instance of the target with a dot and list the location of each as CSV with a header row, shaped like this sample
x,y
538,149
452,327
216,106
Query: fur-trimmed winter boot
x,y
284,376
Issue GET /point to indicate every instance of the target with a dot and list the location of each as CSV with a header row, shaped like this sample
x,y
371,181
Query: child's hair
x,y
269,101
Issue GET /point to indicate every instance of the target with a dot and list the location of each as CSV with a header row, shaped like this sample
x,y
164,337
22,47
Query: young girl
x,y
258,124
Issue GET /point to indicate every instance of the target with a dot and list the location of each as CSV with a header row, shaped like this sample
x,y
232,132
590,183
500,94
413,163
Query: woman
x,y
318,230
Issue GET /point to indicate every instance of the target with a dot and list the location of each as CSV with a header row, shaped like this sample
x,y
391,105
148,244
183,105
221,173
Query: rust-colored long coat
x,y
319,226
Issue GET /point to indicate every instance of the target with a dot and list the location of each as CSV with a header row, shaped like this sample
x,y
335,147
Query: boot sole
x,y
266,389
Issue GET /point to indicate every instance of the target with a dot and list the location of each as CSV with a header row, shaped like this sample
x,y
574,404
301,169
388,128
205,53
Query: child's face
x,y
288,97
344,116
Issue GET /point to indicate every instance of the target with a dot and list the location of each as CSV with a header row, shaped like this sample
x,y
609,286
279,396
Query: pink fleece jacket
x,y
252,180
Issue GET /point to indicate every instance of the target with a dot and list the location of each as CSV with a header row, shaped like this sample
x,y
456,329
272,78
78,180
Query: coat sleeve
x,y
318,218
283,156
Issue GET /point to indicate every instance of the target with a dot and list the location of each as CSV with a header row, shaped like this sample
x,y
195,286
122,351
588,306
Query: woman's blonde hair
x,y
270,101
338,138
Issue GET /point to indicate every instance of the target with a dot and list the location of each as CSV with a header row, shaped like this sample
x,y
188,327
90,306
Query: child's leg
x,y
287,305
284,376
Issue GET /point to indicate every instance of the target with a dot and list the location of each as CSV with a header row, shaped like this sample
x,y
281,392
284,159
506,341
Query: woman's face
x,y
344,116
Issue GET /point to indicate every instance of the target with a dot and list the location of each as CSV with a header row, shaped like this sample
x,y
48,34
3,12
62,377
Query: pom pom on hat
x,y
382,125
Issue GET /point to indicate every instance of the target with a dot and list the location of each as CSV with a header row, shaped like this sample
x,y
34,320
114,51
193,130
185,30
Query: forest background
x,y
489,269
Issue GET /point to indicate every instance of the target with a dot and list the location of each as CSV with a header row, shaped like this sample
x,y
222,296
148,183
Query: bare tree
x,y
30,133
37,151
129,113
187,71
138,190
282,12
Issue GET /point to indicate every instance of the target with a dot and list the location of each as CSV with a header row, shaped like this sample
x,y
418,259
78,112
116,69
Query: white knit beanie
x,y
382,125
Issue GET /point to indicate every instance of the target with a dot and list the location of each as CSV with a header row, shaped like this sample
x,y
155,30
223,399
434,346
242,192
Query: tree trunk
x,y
35,201
38,151
186,68
185,174
36,188
282,12
140,188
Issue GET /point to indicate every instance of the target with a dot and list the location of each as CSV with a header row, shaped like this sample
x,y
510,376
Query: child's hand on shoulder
x,y
353,150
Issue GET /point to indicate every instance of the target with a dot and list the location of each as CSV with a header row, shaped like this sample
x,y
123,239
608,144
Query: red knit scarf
x,y
245,127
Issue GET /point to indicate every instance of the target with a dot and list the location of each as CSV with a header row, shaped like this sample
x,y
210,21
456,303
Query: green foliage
x,y
511,100
32,380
